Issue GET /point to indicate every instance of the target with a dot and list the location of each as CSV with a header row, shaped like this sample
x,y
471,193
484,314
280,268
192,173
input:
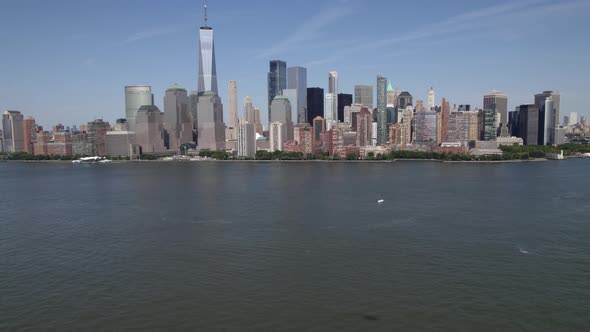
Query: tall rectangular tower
x,y
381,110
277,81
297,80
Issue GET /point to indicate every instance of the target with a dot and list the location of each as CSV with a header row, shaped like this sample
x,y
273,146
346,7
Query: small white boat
x,y
381,201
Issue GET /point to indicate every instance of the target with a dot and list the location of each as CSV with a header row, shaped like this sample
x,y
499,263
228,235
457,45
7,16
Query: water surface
x,y
295,247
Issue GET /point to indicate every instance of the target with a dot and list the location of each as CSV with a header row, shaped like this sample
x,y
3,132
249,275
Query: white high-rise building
x,y
232,101
278,136
550,125
430,99
333,89
246,140
331,110
249,115
333,82
573,119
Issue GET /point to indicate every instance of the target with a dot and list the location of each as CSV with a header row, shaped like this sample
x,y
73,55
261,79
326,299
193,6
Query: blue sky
x,y
68,60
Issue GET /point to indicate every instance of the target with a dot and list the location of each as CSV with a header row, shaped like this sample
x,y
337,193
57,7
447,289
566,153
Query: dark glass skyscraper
x,y
277,81
315,103
513,122
207,67
344,100
528,124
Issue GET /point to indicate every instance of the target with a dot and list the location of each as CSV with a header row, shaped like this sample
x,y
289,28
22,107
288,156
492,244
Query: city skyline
x,y
93,72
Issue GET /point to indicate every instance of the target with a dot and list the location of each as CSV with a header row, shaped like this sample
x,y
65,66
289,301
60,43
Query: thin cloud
x,y
151,33
462,22
469,22
307,31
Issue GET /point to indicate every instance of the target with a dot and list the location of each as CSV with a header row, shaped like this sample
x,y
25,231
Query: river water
x,y
295,247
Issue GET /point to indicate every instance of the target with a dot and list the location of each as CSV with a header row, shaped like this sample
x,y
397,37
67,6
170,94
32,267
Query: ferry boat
x,y
92,160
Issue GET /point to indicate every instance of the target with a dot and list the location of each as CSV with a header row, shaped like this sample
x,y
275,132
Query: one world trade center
x,y
207,70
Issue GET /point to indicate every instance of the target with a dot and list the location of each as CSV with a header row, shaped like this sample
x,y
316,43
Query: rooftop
x,y
176,87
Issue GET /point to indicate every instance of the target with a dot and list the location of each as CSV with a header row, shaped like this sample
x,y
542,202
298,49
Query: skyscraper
x,y
542,97
149,131
528,124
232,100
391,97
135,97
177,119
344,100
331,110
458,127
404,99
573,118
211,126
445,115
548,125
350,112
207,66
291,95
193,99
29,133
249,111
489,120
426,127
315,103
277,81
474,128
280,110
363,95
246,140
498,102
430,99
257,121
333,82
12,131
319,126
278,136
331,105
363,132
381,110
297,80
97,132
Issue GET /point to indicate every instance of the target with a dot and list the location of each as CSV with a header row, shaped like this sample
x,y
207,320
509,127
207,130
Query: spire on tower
x,y
205,12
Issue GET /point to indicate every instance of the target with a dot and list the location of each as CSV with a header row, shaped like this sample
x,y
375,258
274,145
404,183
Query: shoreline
x,y
296,161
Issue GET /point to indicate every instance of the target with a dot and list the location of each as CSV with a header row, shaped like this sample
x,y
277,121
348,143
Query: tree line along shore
x,y
509,153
